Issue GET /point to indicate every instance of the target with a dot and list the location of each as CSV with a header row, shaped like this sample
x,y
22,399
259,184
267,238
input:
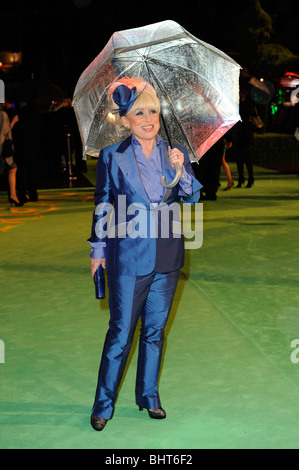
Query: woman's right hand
x,y
95,263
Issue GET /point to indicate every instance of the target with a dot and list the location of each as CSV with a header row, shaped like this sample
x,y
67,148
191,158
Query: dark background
x,y
59,39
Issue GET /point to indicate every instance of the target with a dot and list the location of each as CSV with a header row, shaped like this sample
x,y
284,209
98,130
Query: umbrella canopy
x,y
198,86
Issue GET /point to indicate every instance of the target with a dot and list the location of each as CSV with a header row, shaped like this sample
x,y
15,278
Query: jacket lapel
x,y
125,159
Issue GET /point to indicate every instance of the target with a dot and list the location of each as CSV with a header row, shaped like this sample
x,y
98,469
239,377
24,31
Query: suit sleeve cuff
x,y
186,182
98,250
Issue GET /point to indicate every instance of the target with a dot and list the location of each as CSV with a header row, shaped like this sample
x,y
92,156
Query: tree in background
x,y
260,34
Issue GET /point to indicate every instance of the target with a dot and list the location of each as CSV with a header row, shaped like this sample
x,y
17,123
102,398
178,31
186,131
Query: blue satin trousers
x,y
131,297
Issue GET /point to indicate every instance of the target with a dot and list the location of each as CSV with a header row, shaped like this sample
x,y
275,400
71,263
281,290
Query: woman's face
x,y
144,123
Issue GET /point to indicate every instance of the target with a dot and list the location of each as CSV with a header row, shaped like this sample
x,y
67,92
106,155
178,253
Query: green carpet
x,y
227,381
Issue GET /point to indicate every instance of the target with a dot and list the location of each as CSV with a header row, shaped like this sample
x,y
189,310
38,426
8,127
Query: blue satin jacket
x,y
147,249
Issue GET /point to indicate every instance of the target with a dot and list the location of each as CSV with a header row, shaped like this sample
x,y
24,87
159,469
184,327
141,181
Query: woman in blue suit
x,y
142,263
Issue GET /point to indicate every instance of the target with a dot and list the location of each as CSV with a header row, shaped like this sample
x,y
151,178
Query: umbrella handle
x,y
175,180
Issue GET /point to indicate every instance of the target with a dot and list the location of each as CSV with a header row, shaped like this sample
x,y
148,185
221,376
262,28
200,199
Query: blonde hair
x,y
147,99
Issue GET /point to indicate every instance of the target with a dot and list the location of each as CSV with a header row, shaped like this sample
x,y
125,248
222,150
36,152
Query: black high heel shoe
x,y
98,423
249,184
229,186
157,413
15,203
240,184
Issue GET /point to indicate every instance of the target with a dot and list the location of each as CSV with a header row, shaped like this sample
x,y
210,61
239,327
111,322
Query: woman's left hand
x,y
176,156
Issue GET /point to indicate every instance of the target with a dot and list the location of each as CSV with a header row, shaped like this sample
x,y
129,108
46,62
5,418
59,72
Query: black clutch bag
x,y
99,282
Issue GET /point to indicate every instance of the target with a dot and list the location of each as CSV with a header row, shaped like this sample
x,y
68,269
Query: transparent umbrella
x,y
198,86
